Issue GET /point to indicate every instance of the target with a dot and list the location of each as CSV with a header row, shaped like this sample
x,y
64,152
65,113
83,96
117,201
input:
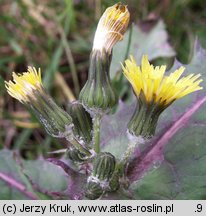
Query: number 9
x,y
199,207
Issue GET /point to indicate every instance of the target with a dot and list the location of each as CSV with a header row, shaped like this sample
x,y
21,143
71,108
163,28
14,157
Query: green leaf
x,y
113,131
153,43
46,175
173,164
53,67
18,177
182,174
13,183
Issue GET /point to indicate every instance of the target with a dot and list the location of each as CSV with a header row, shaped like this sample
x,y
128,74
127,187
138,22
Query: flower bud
x,y
93,190
114,182
103,166
82,122
98,95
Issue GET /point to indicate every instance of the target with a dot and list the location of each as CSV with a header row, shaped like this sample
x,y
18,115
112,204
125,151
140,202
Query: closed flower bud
x,y
82,122
98,95
93,190
114,182
103,166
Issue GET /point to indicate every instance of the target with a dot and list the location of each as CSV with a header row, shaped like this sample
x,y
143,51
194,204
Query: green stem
x,y
130,150
96,134
128,153
77,145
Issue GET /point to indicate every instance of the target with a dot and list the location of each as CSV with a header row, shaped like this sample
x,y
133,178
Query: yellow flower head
x,y
111,27
155,85
23,85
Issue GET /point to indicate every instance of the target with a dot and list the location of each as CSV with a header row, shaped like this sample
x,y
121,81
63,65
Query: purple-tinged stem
x,y
76,179
64,166
13,183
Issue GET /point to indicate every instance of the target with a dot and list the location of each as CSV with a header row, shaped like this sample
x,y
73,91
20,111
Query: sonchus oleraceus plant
x,y
80,125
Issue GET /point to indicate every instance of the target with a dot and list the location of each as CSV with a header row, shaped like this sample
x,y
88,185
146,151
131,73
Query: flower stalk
x,y
96,132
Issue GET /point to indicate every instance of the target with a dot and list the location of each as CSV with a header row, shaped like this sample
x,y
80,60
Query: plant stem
x,y
77,145
130,149
128,152
96,134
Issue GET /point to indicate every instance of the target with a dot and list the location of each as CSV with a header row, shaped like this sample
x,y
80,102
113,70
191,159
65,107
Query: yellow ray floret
x,y
24,84
155,85
111,27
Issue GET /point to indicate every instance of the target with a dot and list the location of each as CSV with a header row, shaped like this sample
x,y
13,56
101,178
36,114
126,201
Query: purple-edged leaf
x,y
55,178
46,176
75,188
173,164
153,43
13,183
37,179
